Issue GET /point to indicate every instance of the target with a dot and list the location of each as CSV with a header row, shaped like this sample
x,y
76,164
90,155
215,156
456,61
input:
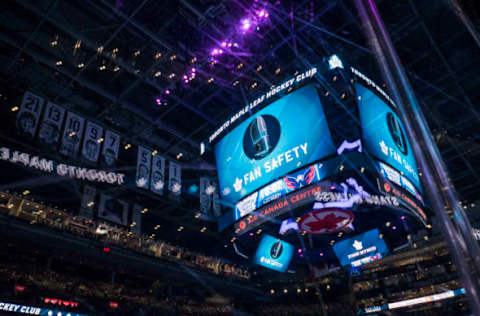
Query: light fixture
x,y
14,109
81,65
59,63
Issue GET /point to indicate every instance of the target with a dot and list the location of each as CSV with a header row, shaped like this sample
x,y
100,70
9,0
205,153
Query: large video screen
x,y
289,133
361,249
274,253
384,135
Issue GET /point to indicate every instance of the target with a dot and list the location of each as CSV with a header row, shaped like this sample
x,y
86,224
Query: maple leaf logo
x,y
210,190
158,185
357,245
226,191
237,185
328,222
176,187
383,147
141,182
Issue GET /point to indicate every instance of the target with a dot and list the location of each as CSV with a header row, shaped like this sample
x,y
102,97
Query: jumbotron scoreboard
x,y
316,153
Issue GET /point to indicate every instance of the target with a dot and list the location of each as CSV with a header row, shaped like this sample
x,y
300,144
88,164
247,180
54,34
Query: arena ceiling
x,y
113,61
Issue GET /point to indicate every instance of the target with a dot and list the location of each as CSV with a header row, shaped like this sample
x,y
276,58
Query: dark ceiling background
x,y
109,60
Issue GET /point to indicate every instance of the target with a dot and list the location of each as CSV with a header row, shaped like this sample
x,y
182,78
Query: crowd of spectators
x,y
111,234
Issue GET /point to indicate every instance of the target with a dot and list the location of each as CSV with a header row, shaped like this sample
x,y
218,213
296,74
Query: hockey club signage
x,y
61,169
326,221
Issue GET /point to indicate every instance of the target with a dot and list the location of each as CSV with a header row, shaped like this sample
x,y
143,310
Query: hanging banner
x,y
205,197
113,210
51,125
91,143
110,148
72,134
217,207
29,114
158,174
88,201
137,220
142,178
175,179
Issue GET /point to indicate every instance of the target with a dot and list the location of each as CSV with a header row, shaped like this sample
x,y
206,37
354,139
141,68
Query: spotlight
x,y
246,24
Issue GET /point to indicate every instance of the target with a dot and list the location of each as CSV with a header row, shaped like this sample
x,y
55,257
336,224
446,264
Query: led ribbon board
x,y
274,253
51,166
361,249
32,310
270,144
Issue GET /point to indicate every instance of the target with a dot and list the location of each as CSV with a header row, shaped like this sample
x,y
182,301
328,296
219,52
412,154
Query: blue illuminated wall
x,y
290,133
384,135
364,246
274,253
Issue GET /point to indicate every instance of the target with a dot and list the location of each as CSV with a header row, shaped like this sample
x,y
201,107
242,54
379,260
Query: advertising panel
x,y
384,135
274,253
289,133
361,249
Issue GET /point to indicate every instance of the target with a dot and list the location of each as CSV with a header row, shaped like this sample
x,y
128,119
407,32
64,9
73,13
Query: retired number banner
x,y
29,114
72,134
49,132
110,148
158,174
144,159
175,179
91,143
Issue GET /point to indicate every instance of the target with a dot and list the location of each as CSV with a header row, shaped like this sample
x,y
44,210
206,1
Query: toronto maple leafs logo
x,y
237,185
226,191
210,189
176,187
141,182
158,185
357,245
300,180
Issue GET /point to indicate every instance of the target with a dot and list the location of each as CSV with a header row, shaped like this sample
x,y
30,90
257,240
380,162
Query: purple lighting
x,y
167,92
402,218
321,254
158,101
246,24
394,227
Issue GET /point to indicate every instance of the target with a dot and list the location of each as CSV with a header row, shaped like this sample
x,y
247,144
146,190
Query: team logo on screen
x,y
276,250
301,179
261,136
395,128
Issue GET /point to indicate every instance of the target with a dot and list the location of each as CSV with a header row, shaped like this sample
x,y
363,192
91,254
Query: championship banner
x,y
175,179
158,174
51,125
29,114
137,219
72,134
91,145
88,201
113,210
110,148
205,198
144,158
